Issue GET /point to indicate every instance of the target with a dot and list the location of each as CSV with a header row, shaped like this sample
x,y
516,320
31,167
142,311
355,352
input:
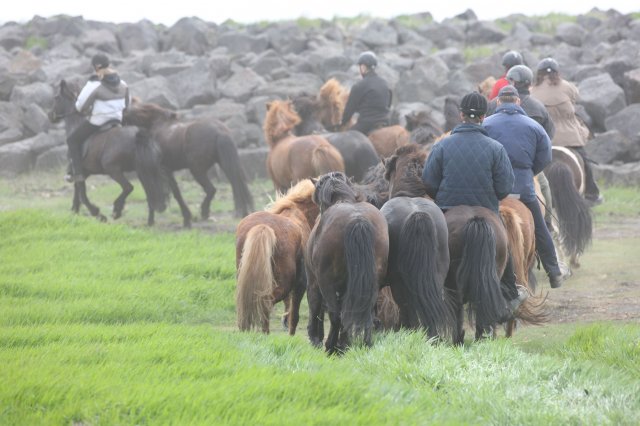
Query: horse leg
x,y
127,188
175,190
75,205
285,315
331,344
296,298
81,188
315,329
210,191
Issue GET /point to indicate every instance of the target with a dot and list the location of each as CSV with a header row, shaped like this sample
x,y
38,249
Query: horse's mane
x,y
332,188
374,188
486,85
305,105
145,114
332,98
298,194
281,118
408,181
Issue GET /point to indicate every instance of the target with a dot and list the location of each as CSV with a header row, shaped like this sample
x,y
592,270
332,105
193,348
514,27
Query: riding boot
x,y
74,142
591,190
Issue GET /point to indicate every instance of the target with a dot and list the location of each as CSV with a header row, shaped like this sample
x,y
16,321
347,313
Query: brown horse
x,y
423,128
356,149
573,212
518,222
113,152
194,145
346,263
387,139
485,87
269,258
292,158
418,246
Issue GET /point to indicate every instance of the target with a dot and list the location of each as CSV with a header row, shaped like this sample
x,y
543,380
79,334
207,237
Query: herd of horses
x,y
352,225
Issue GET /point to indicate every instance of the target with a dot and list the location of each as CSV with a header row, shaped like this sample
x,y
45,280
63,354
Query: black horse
x,y
194,145
113,152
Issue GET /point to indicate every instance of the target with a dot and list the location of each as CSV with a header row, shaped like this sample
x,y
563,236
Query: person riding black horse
x,y
370,98
103,98
470,168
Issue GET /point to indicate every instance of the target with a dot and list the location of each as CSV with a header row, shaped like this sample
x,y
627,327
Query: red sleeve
x,y
496,87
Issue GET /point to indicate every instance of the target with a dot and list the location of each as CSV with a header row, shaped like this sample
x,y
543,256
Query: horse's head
x,y
403,170
64,102
332,188
280,120
146,115
332,99
424,130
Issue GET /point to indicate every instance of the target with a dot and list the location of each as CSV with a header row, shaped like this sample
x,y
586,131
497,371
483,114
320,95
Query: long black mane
x,y
332,188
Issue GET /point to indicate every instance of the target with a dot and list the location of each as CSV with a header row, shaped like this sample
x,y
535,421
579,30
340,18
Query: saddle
x,y
103,128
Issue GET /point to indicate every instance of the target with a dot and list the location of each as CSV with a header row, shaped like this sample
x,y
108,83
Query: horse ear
x,y
390,166
314,181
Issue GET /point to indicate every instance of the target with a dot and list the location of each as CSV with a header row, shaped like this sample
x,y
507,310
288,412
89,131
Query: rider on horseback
x,y
470,168
370,98
103,98
510,59
560,96
529,150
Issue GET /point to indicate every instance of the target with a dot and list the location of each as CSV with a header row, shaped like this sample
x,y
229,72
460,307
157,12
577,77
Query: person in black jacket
x,y
370,98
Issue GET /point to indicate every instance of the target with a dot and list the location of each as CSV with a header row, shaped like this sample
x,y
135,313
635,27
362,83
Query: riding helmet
x,y
520,76
473,104
368,58
548,65
100,60
512,58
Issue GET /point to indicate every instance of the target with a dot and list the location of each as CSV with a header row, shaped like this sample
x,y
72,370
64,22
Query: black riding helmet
x,y
520,76
368,58
473,105
548,65
512,58
99,61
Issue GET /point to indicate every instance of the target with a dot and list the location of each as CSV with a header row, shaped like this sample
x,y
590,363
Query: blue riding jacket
x,y
468,168
526,142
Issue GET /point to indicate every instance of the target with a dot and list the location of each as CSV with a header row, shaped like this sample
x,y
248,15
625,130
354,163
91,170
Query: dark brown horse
x,y
356,149
293,158
113,152
269,258
346,263
418,246
194,145
573,212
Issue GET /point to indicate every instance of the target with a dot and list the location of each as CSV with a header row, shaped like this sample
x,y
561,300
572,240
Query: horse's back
x,y
356,150
115,146
386,139
457,219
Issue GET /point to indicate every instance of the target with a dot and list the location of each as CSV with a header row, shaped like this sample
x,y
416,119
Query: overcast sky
x,y
169,11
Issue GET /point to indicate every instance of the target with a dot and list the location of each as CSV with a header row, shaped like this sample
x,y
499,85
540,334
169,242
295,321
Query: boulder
x,y
101,40
11,118
190,35
195,85
53,159
155,90
291,86
35,119
254,162
442,35
618,174
631,86
138,36
15,159
238,43
601,98
425,81
626,122
36,93
571,33
286,38
484,32
242,85
378,34
12,35
266,62
608,147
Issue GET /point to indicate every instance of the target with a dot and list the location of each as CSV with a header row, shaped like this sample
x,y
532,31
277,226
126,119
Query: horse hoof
x,y
102,218
116,215
285,321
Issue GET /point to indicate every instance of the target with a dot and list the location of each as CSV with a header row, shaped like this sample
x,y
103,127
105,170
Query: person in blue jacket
x,y
470,168
529,150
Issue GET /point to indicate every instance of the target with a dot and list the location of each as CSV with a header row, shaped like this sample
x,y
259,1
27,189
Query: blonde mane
x,y
332,97
281,118
486,85
298,194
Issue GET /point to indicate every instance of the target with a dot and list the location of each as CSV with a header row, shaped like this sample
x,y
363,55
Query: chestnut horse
x,y
113,152
418,246
573,212
194,145
346,263
292,158
333,97
269,258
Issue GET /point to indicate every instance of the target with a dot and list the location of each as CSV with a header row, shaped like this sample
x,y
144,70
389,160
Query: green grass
x,y
106,323
471,53
548,23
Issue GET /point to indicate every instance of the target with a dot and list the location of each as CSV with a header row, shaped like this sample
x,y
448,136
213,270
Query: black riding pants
x,y
75,141
544,242
590,186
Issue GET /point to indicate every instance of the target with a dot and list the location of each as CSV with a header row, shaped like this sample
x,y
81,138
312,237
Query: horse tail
x,y
513,224
418,265
573,212
255,278
362,284
148,164
477,273
325,158
229,162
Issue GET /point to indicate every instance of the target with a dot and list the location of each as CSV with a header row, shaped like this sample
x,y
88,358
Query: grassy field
x,y
120,324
